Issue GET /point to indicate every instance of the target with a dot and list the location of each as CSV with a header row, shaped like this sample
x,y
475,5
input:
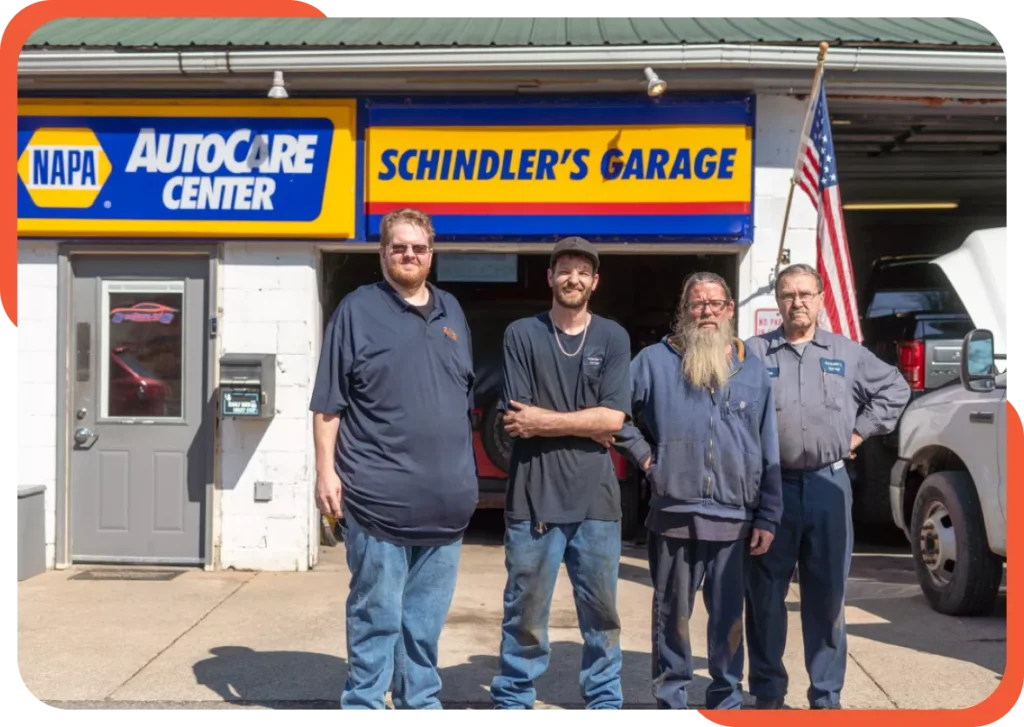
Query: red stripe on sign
x,y
565,208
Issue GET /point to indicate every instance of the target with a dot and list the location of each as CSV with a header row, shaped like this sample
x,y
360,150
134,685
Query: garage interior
x,y
942,158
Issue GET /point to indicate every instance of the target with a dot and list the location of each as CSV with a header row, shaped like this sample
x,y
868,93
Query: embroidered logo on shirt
x,y
833,366
774,372
450,333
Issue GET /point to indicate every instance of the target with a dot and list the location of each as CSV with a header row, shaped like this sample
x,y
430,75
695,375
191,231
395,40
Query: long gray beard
x,y
705,364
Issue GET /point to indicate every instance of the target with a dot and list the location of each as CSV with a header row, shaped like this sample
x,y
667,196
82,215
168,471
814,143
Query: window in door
x,y
142,347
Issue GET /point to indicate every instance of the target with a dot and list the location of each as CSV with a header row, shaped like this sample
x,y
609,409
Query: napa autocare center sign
x,y
187,168
663,168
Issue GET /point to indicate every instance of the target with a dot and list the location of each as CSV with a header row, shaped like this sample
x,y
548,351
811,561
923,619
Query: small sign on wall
x,y
766,320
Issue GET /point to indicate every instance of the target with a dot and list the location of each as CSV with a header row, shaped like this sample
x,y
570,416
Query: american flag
x,y
817,175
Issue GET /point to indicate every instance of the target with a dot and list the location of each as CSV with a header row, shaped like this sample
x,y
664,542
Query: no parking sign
x,y
766,320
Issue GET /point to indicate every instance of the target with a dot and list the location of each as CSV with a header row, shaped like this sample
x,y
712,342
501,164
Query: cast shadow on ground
x,y
886,587
304,680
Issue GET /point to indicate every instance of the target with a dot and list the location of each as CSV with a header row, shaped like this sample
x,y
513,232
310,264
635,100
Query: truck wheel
x,y
958,573
496,441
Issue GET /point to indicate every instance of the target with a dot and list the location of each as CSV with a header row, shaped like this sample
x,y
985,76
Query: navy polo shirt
x,y
402,381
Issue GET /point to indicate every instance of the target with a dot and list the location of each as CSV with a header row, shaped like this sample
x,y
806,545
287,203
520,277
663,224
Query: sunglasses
x,y
400,249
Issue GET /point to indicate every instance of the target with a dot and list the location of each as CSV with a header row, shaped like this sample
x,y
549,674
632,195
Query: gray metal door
x,y
140,426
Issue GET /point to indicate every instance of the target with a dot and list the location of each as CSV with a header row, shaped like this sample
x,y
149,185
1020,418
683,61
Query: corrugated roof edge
x,y
834,43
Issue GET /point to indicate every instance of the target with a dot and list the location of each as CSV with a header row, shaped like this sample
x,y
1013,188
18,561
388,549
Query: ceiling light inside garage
x,y
901,206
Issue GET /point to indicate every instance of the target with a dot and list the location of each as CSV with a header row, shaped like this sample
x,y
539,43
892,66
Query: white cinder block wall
x,y
37,375
779,123
270,304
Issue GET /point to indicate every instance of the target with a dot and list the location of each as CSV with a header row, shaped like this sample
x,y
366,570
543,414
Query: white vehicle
x,y
948,487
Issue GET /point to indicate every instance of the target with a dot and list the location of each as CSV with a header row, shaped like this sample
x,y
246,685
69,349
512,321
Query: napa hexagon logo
x,y
64,168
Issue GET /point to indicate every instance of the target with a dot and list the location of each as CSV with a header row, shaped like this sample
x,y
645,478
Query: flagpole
x,y
808,118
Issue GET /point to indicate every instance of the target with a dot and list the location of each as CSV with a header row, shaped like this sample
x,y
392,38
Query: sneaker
x,y
769,703
826,706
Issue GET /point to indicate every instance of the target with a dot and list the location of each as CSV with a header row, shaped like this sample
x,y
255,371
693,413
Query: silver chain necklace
x,y
554,328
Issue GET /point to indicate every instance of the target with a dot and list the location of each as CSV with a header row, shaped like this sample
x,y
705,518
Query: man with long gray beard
x,y
392,403
566,384
711,454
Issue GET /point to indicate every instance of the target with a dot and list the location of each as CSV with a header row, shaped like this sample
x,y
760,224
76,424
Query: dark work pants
x,y
677,569
816,535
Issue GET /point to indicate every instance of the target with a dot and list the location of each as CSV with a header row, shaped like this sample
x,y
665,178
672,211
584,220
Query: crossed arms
x,y
523,419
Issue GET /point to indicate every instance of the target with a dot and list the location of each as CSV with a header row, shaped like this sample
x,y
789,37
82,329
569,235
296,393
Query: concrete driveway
x,y
277,639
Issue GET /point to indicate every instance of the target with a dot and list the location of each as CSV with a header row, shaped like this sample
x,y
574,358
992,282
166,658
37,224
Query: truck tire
x,y
958,573
496,441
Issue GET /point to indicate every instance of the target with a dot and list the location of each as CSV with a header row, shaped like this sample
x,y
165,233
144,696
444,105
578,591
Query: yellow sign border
x,y
337,217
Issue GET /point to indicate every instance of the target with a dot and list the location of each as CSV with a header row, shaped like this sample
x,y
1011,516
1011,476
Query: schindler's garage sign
x,y
197,168
669,169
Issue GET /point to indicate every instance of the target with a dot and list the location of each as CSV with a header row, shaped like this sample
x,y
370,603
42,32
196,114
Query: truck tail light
x,y
911,358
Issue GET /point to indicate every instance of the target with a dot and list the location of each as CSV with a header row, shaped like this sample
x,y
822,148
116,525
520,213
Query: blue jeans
x,y
591,551
398,600
677,569
816,535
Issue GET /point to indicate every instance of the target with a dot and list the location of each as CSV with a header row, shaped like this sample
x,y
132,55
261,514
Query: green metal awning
x,y
174,33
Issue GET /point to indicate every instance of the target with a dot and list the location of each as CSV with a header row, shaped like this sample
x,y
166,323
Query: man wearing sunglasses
x,y
394,452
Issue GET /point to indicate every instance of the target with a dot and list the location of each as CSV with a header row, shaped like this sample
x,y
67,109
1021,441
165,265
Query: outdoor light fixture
x,y
278,90
901,206
655,86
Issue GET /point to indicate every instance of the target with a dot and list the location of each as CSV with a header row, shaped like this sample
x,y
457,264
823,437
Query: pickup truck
x,y
948,485
915,321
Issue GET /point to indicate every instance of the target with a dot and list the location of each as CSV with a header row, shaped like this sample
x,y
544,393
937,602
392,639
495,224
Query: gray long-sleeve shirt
x,y
834,388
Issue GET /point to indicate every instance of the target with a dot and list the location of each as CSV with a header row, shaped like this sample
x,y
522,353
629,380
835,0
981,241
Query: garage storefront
x,y
509,143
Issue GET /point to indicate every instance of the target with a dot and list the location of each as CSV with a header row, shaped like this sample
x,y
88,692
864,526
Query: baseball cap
x,y
575,246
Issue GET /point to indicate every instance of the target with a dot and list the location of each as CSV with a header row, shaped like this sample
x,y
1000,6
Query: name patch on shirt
x,y
774,372
833,366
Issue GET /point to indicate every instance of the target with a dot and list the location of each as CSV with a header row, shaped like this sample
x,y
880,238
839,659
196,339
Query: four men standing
x,y
742,445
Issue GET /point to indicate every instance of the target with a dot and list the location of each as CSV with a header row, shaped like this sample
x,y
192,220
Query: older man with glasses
x,y
392,428
831,394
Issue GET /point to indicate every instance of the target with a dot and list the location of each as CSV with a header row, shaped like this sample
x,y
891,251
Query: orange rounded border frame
x,y
29,19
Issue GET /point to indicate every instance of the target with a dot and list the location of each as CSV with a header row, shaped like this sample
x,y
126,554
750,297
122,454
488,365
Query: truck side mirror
x,y
977,361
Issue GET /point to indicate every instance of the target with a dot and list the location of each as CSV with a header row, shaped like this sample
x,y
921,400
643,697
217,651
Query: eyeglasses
x,y
804,297
716,306
400,249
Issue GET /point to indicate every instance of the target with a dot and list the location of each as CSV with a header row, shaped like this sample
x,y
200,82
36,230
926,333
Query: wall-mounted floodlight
x,y
278,90
655,86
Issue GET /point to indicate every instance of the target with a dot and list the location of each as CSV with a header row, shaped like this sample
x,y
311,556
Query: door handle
x,y
985,417
83,435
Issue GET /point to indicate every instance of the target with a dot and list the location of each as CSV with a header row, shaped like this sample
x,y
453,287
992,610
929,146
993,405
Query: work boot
x,y
769,703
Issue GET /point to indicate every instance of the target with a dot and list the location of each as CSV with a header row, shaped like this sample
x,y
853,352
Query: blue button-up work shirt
x,y
822,396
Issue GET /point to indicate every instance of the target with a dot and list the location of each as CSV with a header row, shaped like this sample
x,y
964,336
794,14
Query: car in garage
x,y
948,486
